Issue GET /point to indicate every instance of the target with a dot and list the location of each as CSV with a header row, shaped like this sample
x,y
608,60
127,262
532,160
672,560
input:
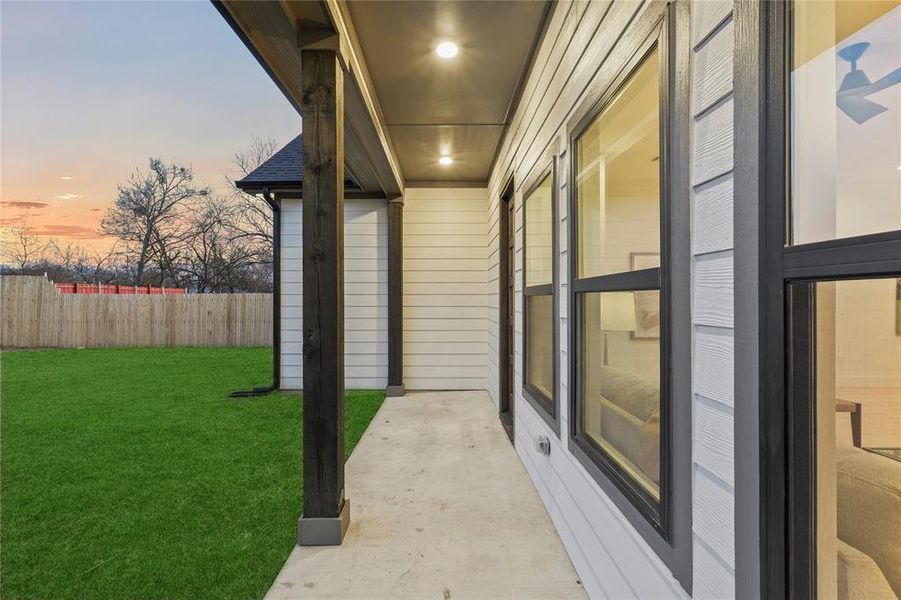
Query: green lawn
x,y
126,473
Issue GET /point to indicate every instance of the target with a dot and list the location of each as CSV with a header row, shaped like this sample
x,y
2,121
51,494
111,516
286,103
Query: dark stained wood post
x,y
326,512
395,297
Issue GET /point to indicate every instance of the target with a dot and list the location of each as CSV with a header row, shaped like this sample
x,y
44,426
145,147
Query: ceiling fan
x,y
851,97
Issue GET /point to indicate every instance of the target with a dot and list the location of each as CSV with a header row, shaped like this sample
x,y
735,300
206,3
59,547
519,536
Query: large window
x,y
844,363
832,231
539,373
629,310
617,174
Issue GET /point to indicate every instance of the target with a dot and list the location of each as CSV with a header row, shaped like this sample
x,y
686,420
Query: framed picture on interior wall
x,y
647,303
647,316
898,307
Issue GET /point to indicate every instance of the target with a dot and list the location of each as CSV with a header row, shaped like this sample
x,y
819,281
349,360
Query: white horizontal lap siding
x,y
365,294
713,494
445,274
611,558
291,355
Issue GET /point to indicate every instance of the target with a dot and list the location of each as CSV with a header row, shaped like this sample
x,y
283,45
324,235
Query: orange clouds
x,y
21,204
45,222
75,232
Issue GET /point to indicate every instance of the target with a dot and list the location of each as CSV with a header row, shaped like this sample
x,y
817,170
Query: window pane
x,y
540,344
620,380
539,234
845,119
618,178
858,424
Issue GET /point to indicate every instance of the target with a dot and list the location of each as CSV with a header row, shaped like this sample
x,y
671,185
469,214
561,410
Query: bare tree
x,y
22,246
214,259
97,266
253,219
65,254
149,217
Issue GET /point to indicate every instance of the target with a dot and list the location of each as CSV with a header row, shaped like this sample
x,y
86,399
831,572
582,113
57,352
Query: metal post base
x,y
393,391
324,531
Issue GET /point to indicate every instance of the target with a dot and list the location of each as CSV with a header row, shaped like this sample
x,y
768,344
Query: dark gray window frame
x,y
547,408
668,531
775,555
506,266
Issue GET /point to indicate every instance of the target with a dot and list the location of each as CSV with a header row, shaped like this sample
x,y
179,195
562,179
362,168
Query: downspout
x,y
276,305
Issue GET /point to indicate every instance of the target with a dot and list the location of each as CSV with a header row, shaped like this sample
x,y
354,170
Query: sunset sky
x,y
90,90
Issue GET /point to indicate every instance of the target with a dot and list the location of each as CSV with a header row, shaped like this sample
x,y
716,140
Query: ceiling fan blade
x,y
859,109
888,81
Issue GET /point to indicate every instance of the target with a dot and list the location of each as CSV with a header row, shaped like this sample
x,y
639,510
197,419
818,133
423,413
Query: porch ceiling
x,y
459,106
404,106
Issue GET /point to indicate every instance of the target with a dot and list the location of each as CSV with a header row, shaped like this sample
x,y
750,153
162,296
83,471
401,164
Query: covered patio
x,y
443,507
381,123
395,259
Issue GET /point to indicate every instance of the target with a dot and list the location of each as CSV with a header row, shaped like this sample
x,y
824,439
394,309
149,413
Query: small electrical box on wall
x,y
543,445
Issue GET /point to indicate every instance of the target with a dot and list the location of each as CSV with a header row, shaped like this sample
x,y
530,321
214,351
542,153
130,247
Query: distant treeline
x,y
169,232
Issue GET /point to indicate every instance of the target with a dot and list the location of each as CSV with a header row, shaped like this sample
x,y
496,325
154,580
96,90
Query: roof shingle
x,y
284,168
284,171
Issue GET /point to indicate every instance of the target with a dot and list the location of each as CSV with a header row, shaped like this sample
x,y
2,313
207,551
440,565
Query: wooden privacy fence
x,y
33,314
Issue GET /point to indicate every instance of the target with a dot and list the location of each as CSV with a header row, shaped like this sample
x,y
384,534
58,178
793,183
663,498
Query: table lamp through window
x,y
617,314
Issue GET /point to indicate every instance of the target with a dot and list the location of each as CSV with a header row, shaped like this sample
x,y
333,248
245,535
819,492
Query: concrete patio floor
x,y
441,507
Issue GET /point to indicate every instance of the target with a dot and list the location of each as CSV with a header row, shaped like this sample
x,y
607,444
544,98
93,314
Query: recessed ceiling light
x,y
447,49
446,160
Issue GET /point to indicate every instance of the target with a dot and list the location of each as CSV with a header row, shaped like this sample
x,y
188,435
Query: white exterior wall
x,y
611,558
365,294
291,216
713,306
445,300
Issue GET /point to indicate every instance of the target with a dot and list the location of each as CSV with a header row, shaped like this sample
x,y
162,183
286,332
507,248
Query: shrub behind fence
x,y
34,314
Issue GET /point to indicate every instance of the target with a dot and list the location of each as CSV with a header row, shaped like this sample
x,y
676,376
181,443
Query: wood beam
x,y
395,297
364,90
325,510
276,33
